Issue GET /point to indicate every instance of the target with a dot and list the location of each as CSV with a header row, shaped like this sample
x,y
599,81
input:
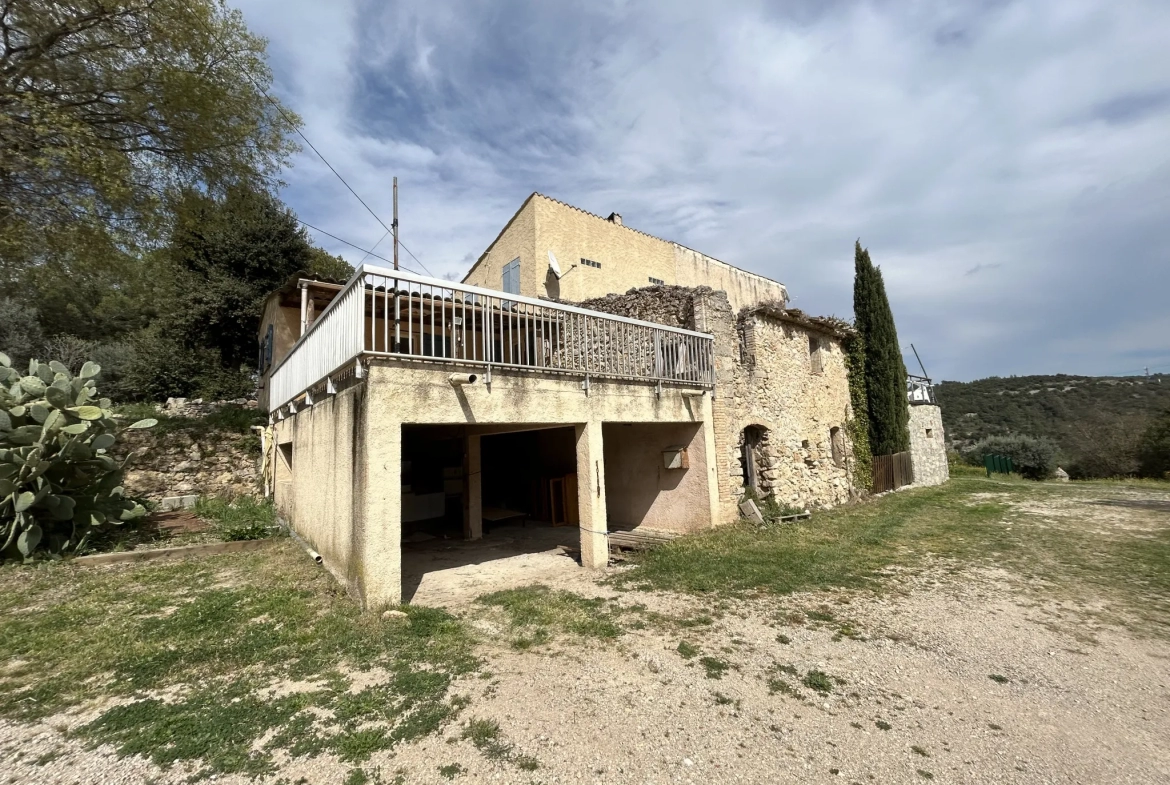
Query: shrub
x,y
1034,459
58,483
1154,448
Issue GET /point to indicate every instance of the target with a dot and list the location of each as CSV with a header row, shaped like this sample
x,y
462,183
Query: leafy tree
x,y
885,372
109,107
224,258
1034,459
1154,450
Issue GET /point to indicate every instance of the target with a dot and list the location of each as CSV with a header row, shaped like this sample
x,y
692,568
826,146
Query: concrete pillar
x,y
472,489
381,522
591,496
707,434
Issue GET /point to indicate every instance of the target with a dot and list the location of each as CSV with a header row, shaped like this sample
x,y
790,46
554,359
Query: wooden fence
x,y
892,471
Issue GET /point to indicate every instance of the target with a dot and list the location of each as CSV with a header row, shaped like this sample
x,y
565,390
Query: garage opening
x,y
526,482
530,476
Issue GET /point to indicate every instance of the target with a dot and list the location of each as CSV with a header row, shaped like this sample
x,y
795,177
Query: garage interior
x,y
528,494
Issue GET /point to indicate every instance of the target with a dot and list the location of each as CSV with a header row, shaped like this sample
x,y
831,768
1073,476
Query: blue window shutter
x,y
511,277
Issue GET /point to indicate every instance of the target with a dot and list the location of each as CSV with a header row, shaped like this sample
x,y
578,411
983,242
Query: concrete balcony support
x,y
591,496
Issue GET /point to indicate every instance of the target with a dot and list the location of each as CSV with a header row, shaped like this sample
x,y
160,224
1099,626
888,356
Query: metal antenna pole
x,y
394,223
925,375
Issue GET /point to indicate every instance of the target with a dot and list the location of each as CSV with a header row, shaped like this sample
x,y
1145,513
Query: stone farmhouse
x,y
583,375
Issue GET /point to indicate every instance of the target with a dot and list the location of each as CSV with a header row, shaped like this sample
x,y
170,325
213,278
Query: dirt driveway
x,y
949,672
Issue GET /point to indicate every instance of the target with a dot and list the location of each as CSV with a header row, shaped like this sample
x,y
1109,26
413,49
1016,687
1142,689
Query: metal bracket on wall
x,y
585,384
487,378
330,387
308,398
358,371
658,389
292,407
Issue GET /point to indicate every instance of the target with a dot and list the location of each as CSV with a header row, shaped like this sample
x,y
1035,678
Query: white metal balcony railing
x,y
920,390
393,313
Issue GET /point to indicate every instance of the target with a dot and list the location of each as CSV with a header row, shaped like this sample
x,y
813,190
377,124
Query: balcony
x,y
395,314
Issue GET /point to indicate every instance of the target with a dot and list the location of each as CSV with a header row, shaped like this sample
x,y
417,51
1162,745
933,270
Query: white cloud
x,y
1021,140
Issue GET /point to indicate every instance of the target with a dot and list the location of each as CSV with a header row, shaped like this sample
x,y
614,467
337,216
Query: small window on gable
x,y
657,281
511,277
590,263
814,353
930,433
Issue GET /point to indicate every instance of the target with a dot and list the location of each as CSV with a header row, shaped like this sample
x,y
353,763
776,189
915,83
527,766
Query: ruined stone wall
x,y
928,451
673,306
777,387
765,378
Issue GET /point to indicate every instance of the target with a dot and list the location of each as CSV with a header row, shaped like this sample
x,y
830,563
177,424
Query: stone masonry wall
x,y
179,463
928,450
764,378
776,388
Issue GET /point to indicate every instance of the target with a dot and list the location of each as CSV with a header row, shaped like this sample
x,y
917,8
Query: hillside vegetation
x,y
1097,421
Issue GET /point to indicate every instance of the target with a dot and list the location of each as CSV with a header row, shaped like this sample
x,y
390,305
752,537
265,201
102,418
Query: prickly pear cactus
x,y
58,483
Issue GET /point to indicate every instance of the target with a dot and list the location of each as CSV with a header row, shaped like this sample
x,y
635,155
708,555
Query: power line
x,y
276,105
370,252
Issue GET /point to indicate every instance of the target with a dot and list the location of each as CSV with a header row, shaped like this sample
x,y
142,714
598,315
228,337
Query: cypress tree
x,y
885,372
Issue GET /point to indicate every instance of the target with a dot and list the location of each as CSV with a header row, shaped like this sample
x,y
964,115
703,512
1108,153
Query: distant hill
x,y
1085,415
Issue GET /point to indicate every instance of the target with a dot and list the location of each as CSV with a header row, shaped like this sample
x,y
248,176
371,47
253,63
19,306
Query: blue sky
x,y
1006,163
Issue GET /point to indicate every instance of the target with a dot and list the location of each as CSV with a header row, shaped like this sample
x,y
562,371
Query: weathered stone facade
x,y
781,385
928,450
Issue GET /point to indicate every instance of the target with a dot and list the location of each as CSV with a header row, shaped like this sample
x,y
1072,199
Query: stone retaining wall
x,y
186,457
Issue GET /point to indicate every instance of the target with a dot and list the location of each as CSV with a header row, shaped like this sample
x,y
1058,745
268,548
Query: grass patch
x,y
450,771
686,650
537,612
242,518
714,666
926,775
919,750
971,520
818,681
998,679
202,648
486,736
883,725
782,638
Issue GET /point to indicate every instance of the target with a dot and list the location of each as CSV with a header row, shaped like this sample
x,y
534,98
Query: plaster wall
x,y
345,494
516,241
324,496
744,289
629,259
928,450
641,491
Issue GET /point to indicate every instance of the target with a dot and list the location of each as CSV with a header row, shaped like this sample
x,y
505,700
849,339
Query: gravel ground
x,y
1082,702
1076,698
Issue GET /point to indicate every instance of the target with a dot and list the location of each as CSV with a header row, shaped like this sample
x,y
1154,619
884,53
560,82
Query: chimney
x,y
615,218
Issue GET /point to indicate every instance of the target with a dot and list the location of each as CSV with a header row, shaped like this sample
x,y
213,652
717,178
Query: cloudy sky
x,y
1006,163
